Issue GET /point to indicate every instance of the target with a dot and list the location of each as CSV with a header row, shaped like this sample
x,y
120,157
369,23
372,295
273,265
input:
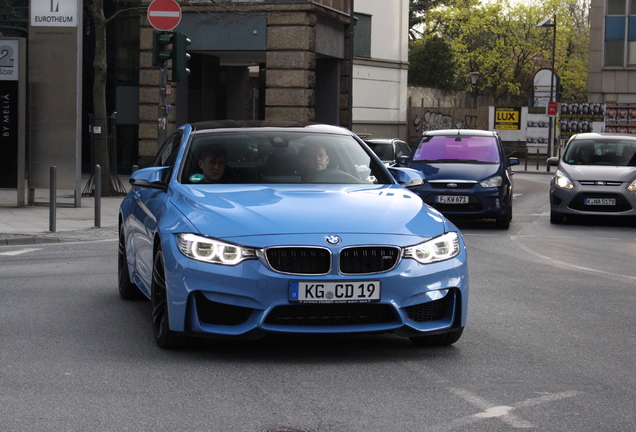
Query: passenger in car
x,y
628,158
213,164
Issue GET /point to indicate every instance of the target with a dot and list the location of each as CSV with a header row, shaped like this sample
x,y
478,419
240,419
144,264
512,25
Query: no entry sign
x,y
164,15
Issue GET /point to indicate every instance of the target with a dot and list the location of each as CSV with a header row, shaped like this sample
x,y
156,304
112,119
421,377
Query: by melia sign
x,y
54,13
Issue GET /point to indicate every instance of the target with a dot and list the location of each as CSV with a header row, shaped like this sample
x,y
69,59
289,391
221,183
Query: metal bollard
x,y
537,159
526,161
98,195
135,168
52,197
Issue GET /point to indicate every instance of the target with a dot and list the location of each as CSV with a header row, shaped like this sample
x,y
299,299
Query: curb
x,y
91,234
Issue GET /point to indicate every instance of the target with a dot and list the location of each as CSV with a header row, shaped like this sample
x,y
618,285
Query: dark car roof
x,y
383,140
233,124
460,132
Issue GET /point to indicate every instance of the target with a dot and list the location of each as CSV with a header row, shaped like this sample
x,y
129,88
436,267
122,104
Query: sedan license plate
x,y
334,292
452,199
600,201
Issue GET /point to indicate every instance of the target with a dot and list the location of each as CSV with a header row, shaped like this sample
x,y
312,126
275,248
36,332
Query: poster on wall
x,y
9,95
580,118
620,118
537,131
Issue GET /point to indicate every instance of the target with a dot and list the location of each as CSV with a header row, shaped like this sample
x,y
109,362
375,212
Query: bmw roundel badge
x,y
333,239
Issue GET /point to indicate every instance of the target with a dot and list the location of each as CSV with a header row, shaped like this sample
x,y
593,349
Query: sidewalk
x,y
31,224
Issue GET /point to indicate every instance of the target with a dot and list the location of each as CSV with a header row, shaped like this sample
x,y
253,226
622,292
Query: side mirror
x,y
512,161
402,160
553,161
152,177
408,177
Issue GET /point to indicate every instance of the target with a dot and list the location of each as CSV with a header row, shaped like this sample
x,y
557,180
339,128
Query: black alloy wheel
x,y
164,337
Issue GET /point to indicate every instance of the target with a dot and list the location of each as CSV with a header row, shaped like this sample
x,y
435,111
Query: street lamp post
x,y
474,76
546,23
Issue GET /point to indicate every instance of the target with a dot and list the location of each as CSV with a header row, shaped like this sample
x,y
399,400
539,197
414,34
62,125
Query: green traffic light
x,y
160,50
180,57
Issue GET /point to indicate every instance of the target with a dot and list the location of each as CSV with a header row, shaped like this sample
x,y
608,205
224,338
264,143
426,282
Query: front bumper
x,y
490,203
249,298
573,201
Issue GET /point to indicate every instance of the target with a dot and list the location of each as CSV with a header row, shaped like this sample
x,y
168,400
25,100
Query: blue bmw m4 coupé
x,y
240,230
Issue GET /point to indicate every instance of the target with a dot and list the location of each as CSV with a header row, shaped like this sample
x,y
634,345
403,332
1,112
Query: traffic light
x,y
180,57
160,50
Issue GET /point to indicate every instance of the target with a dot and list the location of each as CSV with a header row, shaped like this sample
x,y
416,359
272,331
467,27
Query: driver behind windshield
x,y
213,164
313,159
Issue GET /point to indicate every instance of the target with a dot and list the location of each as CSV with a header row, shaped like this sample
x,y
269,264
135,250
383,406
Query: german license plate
x,y
452,199
334,292
600,201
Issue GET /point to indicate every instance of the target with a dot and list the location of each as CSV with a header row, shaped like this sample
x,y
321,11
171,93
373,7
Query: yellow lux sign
x,y
507,118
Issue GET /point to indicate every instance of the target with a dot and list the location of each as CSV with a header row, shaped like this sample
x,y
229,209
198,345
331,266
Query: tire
x,y
164,337
439,339
556,218
127,289
503,222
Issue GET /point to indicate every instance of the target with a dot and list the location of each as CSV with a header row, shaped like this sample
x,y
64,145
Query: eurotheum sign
x,y
54,13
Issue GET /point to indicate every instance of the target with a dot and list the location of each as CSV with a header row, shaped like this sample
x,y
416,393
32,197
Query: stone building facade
x,y
274,60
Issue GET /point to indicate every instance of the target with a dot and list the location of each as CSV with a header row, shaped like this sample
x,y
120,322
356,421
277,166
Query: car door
x,y
149,206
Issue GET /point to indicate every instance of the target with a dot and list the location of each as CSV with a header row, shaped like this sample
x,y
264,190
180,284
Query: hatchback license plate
x,y
600,201
452,199
335,292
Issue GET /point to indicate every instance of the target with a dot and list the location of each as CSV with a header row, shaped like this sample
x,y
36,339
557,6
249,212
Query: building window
x,y
127,64
362,36
620,33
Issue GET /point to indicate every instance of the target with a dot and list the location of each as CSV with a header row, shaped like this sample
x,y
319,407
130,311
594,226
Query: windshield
x,y
601,152
278,156
453,149
383,150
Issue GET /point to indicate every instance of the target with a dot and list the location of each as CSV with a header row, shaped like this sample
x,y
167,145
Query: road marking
x,y
19,252
501,412
562,264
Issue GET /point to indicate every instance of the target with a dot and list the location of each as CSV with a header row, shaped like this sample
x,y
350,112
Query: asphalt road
x,y
548,347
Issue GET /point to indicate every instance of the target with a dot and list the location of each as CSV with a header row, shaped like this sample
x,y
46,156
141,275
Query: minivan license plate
x,y
600,201
452,199
334,292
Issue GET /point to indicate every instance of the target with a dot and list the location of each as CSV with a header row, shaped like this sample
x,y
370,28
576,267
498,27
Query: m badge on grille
x,y
332,239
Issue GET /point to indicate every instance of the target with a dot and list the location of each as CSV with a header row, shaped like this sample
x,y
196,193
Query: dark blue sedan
x,y
239,230
467,172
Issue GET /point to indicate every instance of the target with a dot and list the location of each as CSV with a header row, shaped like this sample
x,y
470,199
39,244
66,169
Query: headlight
x,y
213,251
632,186
438,249
491,182
562,181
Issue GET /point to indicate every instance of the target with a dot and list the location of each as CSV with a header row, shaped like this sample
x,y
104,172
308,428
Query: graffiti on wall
x,y
432,120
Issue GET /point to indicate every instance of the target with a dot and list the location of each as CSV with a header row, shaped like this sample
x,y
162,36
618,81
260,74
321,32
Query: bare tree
x,y
95,9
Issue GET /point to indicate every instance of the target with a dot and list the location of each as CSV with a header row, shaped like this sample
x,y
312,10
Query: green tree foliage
x,y
417,15
426,72
502,42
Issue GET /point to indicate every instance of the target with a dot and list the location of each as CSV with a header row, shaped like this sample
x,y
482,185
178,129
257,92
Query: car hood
x,y
599,172
456,171
225,211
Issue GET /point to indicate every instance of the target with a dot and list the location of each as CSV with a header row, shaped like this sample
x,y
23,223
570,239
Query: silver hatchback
x,y
596,176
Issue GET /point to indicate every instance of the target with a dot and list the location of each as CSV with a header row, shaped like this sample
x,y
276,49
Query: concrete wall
x,y
606,84
380,82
